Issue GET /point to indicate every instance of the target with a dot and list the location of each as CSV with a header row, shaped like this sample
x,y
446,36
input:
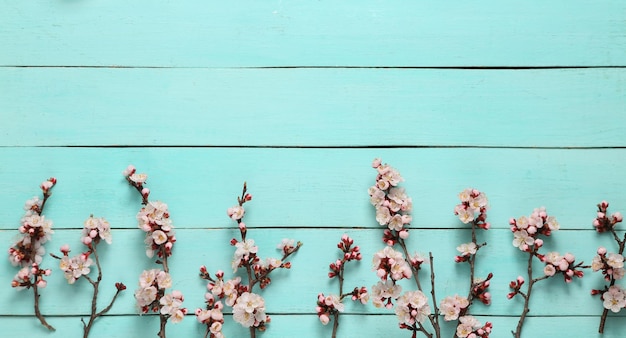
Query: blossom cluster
x,y
564,264
604,223
249,310
327,306
391,202
614,298
28,250
248,307
610,263
75,267
153,218
151,295
331,305
212,316
452,306
412,307
470,327
527,229
473,208
94,230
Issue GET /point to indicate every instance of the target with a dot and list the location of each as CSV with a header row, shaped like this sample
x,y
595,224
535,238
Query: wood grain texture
x,y
301,33
313,188
523,100
313,107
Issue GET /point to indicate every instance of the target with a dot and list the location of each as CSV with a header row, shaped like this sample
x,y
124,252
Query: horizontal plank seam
x,y
298,314
326,67
388,146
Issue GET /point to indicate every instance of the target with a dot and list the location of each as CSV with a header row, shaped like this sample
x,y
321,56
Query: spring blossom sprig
x,y
154,220
611,264
526,237
472,210
28,251
331,305
248,307
393,207
80,266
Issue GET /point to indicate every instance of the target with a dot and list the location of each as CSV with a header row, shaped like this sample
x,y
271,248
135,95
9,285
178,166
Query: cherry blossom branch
x,y
38,314
332,304
434,318
248,307
94,230
611,265
392,210
526,231
154,219
28,252
472,210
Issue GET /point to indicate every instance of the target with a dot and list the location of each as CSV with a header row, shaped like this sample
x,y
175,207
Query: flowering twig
x,y
28,251
76,267
611,264
248,307
526,231
332,305
392,210
154,219
472,210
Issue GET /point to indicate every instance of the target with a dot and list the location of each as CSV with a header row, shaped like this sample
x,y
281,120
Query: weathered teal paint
x,y
296,99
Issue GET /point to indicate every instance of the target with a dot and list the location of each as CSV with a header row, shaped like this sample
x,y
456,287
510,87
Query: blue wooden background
x,y
523,100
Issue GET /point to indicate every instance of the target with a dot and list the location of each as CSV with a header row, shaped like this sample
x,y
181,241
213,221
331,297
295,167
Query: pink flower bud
x,y
177,294
569,257
145,192
242,226
87,240
42,283
129,170
324,318
531,230
65,249
520,280
601,214
376,163
538,242
512,221
617,217
45,186
47,272
601,251
93,233
604,205
404,234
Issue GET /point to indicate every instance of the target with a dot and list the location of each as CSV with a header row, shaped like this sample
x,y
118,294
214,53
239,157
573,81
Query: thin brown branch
x,y
38,312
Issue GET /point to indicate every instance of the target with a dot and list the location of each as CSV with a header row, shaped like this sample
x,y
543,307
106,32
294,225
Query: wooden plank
x,y
313,107
125,259
288,326
354,33
309,187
